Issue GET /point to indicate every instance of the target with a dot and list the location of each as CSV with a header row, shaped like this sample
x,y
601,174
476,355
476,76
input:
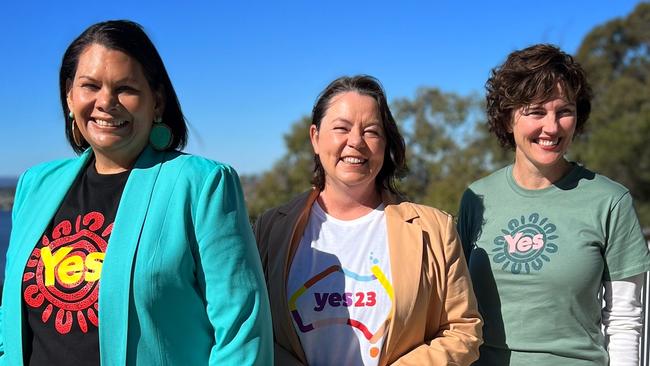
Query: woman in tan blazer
x,y
356,275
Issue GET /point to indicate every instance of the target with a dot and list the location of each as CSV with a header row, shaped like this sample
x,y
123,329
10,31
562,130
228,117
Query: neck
x,y
530,176
106,165
348,204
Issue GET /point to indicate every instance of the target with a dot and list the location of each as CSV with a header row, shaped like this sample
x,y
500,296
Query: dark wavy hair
x,y
128,37
394,166
530,76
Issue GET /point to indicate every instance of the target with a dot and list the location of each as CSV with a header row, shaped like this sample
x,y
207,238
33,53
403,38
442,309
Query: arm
x,y
282,356
18,199
623,320
459,332
470,216
231,275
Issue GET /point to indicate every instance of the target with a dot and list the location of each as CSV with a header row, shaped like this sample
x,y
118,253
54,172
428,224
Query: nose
x,y
355,138
551,123
106,100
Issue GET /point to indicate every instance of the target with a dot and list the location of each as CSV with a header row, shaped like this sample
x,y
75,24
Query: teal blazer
x,y
181,282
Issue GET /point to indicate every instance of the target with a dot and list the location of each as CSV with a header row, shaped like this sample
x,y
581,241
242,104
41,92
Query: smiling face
x,y
350,142
113,105
542,134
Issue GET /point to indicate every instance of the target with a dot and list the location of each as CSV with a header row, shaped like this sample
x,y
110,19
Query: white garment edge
x,y
623,320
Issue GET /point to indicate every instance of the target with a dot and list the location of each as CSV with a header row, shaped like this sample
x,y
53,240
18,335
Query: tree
x,y
289,176
616,57
448,146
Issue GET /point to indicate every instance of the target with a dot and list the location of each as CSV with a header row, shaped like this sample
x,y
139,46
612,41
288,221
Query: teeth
x,y
104,123
353,160
548,142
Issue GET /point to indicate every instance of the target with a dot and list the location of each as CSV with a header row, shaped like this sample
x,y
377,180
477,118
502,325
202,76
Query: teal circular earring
x,y
160,137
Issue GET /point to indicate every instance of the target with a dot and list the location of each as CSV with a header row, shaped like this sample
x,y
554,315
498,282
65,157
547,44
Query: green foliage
x,y
616,57
448,145
290,176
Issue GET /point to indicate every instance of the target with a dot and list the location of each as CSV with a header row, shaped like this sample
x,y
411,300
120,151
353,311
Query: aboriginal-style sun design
x,y
62,273
526,244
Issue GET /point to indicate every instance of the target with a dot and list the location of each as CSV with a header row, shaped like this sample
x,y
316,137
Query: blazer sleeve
x,y
230,274
261,229
460,325
18,199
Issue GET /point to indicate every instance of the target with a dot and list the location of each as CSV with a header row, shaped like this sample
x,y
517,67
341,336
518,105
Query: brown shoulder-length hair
x,y
394,166
532,75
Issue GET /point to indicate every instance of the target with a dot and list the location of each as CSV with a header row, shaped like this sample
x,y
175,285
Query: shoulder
x,y
433,212
47,168
193,165
294,205
437,224
50,170
598,184
279,220
426,216
195,172
495,178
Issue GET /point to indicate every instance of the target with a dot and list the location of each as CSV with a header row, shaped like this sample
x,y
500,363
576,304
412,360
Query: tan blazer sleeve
x,y
459,327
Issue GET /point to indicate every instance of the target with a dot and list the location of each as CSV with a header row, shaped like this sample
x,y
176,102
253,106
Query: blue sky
x,y
245,71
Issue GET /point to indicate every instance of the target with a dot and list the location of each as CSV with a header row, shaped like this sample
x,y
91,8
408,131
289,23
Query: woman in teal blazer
x,y
181,282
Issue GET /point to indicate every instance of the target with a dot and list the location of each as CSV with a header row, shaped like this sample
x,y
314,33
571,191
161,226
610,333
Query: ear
x,y
513,116
313,136
159,103
68,94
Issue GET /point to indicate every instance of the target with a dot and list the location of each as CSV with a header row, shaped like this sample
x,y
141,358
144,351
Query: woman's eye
x,y
126,89
566,113
90,86
372,132
534,112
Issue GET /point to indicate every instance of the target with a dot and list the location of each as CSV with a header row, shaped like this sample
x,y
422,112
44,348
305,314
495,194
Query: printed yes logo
x,y
526,243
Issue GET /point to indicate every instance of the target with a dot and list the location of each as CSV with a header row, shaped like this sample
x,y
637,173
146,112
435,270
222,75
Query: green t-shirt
x,y
538,259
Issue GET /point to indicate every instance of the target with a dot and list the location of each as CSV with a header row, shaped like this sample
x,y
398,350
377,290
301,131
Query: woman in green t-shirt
x,y
544,236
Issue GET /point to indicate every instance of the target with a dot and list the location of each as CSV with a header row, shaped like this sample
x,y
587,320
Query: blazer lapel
x,y
405,245
115,288
42,206
296,219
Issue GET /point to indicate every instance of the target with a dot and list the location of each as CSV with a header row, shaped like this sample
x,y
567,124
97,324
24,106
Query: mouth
x,y
548,143
353,160
114,123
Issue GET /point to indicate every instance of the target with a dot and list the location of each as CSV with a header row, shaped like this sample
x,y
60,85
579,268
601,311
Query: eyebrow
x,y
123,80
372,123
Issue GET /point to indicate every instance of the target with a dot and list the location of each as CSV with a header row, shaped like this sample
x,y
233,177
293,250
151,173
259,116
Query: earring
x,y
75,133
161,136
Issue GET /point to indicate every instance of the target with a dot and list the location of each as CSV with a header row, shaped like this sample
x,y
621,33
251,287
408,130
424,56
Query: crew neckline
x,y
554,187
320,213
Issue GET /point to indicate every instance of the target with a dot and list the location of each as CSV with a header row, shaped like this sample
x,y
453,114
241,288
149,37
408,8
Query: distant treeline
x,y
449,145
7,198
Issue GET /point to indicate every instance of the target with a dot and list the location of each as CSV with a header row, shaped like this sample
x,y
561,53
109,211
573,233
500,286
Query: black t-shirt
x,y
61,278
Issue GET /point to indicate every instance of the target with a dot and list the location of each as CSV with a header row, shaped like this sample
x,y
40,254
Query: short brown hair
x,y
530,76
